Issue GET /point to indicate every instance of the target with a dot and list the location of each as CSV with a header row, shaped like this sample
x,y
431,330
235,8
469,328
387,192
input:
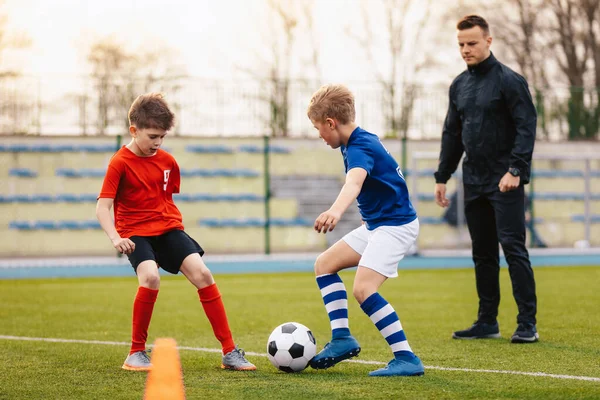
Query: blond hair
x,y
332,101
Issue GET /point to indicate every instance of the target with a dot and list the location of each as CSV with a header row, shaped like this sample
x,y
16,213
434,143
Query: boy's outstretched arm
x,y
327,221
123,245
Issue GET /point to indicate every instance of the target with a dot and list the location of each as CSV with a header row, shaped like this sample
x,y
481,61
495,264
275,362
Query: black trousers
x,y
494,217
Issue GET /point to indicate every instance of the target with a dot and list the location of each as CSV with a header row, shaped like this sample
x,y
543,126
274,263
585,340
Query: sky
x,y
220,41
212,39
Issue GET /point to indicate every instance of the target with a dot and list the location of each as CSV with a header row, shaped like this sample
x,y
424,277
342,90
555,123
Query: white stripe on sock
x,y
391,329
403,345
334,287
339,323
336,305
384,312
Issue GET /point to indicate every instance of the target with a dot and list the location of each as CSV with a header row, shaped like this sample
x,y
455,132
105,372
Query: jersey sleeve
x,y
176,177
111,180
360,155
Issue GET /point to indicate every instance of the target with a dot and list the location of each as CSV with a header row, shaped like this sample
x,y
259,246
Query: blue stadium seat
x,y
249,148
90,224
217,149
41,198
96,148
250,197
425,197
70,225
64,148
562,196
17,148
594,218
88,198
213,173
20,225
22,172
67,198
431,220
22,198
253,222
80,173
45,225
557,173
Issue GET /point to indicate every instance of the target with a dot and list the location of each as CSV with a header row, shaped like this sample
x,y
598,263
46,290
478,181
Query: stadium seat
x,y
81,173
252,222
22,172
431,220
54,225
210,173
20,225
72,225
216,149
45,225
594,218
96,148
260,149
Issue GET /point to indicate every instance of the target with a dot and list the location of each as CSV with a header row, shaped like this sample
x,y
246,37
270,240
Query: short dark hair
x,y
151,111
471,21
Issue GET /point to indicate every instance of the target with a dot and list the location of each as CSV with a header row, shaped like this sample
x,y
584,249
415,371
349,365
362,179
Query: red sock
x,y
210,297
142,313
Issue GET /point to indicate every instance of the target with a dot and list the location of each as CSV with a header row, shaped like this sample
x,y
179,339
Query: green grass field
x,y
430,303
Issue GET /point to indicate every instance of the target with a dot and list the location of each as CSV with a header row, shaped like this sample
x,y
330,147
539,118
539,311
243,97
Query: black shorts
x,y
168,250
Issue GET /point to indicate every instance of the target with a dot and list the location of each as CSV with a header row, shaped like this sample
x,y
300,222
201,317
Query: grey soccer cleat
x,y
138,361
236,360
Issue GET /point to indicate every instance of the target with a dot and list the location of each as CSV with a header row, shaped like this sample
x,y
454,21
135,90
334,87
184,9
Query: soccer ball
x,y
291,346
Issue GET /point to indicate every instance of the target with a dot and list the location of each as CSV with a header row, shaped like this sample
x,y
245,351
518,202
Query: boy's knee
x,y
150,281
321,265
361,292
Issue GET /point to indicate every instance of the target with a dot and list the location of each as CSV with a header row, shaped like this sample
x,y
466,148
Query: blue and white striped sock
x,y
386,320
335,298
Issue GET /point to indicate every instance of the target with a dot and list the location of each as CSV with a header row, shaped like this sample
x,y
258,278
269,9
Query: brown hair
x,y
151,111
471,21
332,101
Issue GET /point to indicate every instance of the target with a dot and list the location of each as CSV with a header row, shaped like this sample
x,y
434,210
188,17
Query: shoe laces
x,y
239,353
144,355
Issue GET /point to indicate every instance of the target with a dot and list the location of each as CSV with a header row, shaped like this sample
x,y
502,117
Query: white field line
x,y
208,350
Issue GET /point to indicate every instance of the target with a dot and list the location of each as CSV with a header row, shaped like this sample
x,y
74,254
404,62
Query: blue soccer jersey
x,y
383,199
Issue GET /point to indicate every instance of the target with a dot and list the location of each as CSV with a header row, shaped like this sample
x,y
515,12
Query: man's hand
x,y
123,245
509,182
440,195
327,221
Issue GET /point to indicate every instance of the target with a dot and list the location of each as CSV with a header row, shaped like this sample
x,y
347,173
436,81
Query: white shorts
x,y
383,247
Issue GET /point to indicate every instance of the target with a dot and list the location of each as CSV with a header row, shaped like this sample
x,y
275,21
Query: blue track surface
x,y
120,267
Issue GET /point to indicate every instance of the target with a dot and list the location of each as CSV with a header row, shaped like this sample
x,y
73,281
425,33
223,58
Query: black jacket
x,y
492,119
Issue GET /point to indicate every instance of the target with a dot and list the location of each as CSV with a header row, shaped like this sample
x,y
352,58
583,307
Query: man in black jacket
x,y
492,120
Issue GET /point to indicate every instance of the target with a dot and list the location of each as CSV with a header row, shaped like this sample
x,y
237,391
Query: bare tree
x,y
9,40
575,43
288,22
19,110
519,28
120,75
398,82
553,42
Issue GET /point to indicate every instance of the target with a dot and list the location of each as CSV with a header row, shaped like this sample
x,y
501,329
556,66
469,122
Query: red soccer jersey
x,y
142,189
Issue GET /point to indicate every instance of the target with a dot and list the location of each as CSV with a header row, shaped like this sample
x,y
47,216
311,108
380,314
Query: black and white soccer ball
x,y
291,346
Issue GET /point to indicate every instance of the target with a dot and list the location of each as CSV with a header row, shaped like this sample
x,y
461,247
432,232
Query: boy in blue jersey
x,y
390,227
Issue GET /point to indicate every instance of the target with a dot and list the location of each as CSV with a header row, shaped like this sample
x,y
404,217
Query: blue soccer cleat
x,y
337,350
405,365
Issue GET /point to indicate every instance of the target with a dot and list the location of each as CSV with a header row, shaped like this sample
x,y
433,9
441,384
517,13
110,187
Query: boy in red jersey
x,y
139,183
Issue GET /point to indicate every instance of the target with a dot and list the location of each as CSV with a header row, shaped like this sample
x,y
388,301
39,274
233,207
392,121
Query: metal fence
x,y
69,105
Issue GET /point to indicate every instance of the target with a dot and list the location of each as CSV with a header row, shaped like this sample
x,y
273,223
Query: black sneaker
x,y
525,333
479,330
